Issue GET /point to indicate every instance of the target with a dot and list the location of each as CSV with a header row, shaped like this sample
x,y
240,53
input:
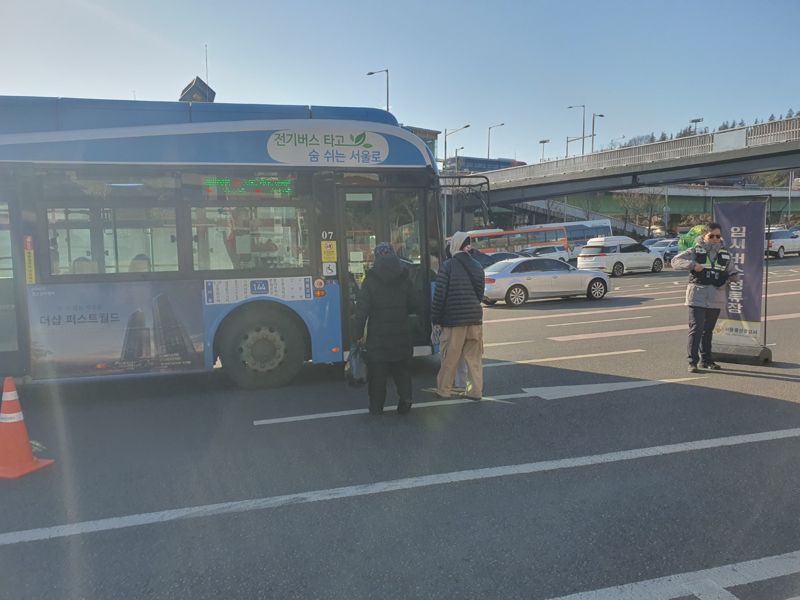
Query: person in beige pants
x,y
457,309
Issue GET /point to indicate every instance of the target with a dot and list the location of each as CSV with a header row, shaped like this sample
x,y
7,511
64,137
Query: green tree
x,y
723,126
662,137
771,117
789,113
741,123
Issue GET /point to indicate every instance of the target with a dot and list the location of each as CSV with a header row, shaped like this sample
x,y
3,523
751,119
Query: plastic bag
x,y
355,371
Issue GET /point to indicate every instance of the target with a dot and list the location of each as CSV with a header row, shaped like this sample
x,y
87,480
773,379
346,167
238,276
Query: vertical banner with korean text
x,y
743,225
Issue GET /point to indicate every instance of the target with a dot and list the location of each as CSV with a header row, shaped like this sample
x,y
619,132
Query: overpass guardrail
x,y
763,134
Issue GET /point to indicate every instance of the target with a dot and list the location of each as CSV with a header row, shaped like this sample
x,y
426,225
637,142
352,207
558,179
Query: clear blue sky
x,y
648,65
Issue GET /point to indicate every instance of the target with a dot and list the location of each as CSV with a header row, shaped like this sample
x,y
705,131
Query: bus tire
x,y
260,349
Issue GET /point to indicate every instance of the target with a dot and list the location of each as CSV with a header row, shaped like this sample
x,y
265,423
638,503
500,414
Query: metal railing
x,y
762,134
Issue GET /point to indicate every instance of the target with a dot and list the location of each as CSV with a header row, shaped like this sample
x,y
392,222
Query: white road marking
x,y
599,321
560,392
672,291
618,333
510,343
559,358
357,411
783,317
682,296
684,584
582,313
627,332
604,311
708,589
409,483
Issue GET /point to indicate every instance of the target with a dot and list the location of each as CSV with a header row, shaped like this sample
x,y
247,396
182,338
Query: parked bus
x,y
570,236
514,240
580,232
141,237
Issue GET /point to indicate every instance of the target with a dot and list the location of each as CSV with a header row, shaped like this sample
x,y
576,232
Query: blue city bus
x,y
148,237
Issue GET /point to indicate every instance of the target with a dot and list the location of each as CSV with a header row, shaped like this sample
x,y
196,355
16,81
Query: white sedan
x,y
520,279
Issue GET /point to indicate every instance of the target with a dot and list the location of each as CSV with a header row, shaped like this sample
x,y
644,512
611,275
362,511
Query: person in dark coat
x,y
384,304
457,309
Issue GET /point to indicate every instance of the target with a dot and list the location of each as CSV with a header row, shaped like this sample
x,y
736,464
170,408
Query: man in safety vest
x,y
710,270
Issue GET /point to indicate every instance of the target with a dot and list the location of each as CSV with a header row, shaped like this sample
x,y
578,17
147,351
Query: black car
x,y
484,260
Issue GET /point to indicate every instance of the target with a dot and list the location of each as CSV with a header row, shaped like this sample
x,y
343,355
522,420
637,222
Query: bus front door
x,y
370,216
361,221
12,360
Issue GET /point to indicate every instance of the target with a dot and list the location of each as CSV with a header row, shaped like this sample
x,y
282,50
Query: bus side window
x,y
70,241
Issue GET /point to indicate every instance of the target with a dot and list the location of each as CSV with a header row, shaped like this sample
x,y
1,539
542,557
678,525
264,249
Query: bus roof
x,y
27,114
82,130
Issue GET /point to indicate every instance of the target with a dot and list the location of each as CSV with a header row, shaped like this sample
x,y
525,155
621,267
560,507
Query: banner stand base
x,y
750,355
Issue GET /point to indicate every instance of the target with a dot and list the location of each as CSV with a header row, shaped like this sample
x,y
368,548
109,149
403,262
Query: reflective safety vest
x,y
714,271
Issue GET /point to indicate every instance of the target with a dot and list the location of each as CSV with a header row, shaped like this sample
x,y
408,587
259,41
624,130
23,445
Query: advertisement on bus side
x,y
130,327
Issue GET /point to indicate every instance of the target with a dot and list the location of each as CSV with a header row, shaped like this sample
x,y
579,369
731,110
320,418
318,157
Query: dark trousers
x,y
701,329
378,376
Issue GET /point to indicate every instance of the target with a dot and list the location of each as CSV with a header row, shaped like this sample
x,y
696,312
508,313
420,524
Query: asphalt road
x,y
596,467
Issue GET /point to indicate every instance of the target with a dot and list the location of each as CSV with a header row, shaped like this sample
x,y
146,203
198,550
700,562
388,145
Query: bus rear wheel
x,y
261,349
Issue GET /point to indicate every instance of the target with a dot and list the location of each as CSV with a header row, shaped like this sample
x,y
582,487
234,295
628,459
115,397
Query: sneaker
x,y
712,366
693,369
403,408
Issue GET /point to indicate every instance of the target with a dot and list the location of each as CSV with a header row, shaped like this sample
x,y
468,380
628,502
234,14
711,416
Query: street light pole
x,y
457,149
543,142
444,162
448,133
387,84
489,139
583,130
696,121
593,116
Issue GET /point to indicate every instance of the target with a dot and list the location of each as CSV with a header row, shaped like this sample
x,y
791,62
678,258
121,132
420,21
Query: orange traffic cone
x,y
16,456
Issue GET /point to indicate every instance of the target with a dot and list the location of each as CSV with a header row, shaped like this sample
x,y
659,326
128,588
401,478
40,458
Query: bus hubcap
x,y
262,349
